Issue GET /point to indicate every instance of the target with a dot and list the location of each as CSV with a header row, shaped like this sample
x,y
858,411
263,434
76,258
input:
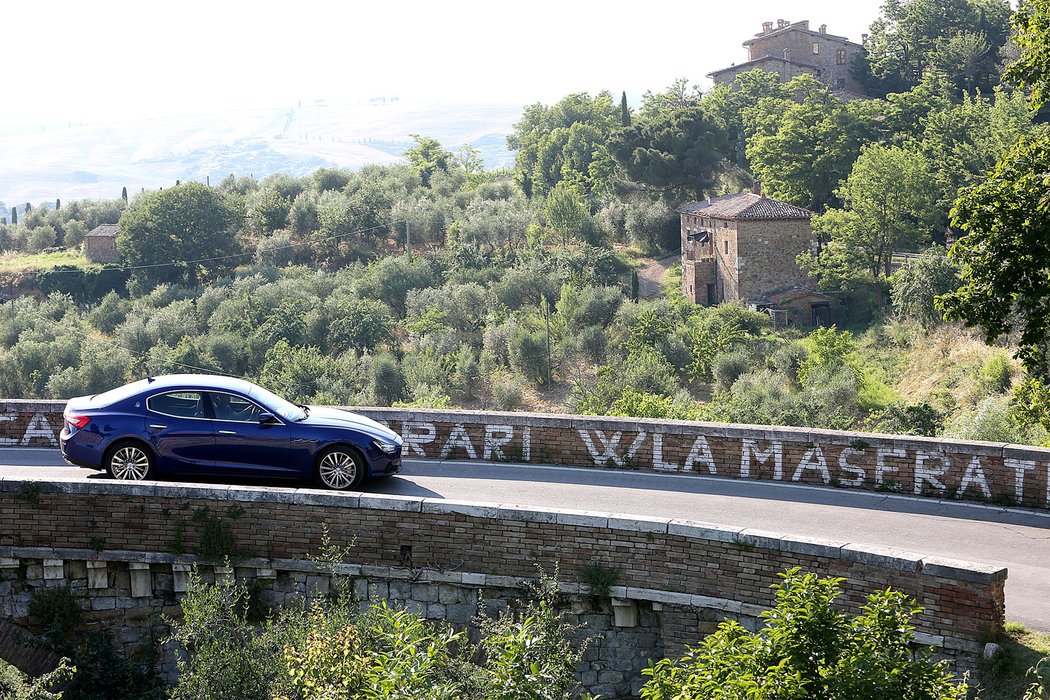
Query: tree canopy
x,y
960,39
185,234
679,150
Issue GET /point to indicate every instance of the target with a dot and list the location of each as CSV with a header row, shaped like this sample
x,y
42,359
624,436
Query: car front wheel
x,y
340,468
129,461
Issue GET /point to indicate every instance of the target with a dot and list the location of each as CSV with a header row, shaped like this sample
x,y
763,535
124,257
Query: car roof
x,y
174,381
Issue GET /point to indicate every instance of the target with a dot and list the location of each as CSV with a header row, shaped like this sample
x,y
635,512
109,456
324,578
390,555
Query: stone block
x,y
54,570
426,593
180,577
223,574
141,583
625,612
317,586
97,574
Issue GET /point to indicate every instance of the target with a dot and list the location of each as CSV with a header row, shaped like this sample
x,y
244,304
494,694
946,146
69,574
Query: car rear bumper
x,y
78,452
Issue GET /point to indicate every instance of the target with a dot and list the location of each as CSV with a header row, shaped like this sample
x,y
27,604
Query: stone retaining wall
x,y
1000,473
682,576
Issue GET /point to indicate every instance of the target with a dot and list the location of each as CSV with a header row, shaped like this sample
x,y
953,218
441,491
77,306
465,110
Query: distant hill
x,y
94,161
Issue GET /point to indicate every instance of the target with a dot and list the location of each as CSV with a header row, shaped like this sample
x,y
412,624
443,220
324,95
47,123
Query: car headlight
x,y
387,447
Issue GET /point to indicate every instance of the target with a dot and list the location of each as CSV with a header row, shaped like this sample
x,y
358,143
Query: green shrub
x,y
385,381
56,611
996,374
728,367
528,355
810,649
507,393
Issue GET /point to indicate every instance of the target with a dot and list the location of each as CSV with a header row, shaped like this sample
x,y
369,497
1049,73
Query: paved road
x,y
1016,539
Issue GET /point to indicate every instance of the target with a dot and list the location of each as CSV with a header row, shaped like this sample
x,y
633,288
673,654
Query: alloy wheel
x,y
337,470
129,463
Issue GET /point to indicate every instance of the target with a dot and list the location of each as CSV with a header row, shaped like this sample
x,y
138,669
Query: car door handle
x,y
157,426
227,432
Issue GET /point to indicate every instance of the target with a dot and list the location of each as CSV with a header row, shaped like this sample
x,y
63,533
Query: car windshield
x,y
285,409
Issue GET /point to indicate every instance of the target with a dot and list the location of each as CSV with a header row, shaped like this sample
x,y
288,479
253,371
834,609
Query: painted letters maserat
x,y
880,467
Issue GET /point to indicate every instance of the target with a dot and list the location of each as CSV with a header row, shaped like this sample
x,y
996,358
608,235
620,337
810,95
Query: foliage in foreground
x,y
331,648
15,685
810,650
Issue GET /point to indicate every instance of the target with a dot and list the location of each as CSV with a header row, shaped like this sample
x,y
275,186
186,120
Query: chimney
x,y
781,23
823,29
767,27
756,187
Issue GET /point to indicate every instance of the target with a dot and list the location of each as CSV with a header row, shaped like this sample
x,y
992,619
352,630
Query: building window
x,y
840,56
727,247
816,47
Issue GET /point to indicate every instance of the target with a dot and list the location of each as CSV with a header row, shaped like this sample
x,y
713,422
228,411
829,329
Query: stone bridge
x,y
126,551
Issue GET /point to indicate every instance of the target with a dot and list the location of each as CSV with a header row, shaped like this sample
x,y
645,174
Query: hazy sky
x,y
86,61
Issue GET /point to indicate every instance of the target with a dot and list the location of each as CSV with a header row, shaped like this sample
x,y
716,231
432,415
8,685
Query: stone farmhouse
x,y
794,49
742,247
100,244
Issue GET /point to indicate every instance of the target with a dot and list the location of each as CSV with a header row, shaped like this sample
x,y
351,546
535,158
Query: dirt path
x,y
651,274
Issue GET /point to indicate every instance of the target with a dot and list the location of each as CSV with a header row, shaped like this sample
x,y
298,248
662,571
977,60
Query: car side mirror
x,y
267,419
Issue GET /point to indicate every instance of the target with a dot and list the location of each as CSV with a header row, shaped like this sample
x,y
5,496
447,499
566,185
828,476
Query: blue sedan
x,y
216,426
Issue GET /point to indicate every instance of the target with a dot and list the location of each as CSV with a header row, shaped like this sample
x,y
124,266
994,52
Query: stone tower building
x,y
742,247
793,49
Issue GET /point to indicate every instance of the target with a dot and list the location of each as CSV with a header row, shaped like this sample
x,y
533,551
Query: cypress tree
x,y
625,114
14,216
124,194
28,208
58,204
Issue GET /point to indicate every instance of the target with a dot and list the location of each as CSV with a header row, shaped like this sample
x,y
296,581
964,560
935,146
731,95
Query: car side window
x,y
180,404
230,407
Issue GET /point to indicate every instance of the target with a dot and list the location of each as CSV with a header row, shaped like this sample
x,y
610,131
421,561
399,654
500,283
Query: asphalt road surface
x,y
1015,538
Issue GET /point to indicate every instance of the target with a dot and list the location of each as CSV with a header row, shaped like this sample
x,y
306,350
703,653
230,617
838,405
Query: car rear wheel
x,y
340,468
129,461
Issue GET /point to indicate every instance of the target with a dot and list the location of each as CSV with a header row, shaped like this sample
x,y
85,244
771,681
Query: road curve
x,y
1014,538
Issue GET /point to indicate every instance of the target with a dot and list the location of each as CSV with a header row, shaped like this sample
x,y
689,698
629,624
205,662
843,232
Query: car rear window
x,y
108,398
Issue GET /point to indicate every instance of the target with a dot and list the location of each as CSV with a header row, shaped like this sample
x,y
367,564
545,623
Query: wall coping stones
x,y
812,546
962,571
513,511
704,531
887,557
475,510
893,559
639,523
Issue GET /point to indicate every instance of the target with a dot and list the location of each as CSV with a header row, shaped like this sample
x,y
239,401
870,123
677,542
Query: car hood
x,y
323,416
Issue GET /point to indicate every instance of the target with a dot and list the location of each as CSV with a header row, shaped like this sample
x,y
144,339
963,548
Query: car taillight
x,y
77,421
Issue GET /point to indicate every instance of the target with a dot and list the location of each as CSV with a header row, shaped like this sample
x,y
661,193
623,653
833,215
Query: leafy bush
x,y
992,421
916,285
15,685
810,650
330,648
386,384
507,393
528,354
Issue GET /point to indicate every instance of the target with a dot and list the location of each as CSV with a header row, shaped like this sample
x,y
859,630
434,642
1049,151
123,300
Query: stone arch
x,y
19,648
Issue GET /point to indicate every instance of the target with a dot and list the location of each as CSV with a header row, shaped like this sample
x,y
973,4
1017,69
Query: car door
x,y
180,430
242,442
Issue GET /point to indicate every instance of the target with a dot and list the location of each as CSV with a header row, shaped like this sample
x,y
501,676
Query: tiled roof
x,y
104,231
746,205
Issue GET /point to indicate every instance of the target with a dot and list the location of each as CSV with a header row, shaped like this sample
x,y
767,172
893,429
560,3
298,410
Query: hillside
x,y
94,161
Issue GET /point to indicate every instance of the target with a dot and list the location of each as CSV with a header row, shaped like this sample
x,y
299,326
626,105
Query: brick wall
x,y
701,571
939,468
